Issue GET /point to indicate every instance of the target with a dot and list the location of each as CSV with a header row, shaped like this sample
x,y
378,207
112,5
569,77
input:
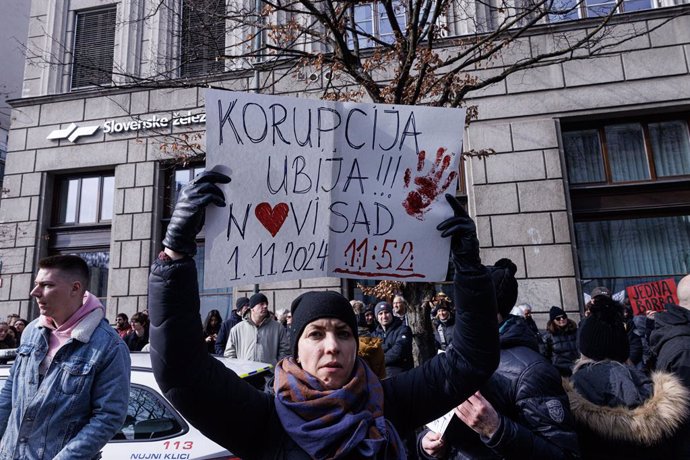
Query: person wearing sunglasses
x,y
561,341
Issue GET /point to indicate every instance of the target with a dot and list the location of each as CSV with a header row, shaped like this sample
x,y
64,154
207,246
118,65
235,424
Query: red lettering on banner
x,y
652,296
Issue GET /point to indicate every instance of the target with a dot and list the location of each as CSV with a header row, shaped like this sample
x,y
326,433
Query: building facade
x,y
589,183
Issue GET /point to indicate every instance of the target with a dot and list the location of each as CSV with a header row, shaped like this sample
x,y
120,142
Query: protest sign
x,y
652,296
328,189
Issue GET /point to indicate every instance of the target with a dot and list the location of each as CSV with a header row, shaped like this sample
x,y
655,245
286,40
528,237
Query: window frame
x,y
607,201
58,203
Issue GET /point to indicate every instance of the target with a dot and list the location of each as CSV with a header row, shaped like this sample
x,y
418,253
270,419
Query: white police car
x,y
153,429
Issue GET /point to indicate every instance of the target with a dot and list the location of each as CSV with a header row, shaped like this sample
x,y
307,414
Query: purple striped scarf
x,y
335,424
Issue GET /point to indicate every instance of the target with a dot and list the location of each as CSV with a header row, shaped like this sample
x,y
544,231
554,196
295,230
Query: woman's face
x,y
327,350
213,321
443,314
369,317
137,326
561,320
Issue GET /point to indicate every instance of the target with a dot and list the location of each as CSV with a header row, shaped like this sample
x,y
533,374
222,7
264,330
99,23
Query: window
x,y
372,19
630,197
94,42
81,221
629,151
149,417
203,37
211,299
566,10
86,200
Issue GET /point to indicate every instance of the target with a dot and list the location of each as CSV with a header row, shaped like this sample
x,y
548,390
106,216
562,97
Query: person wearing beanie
x,y
443,322
560,340
259,337
236,315
523,411
397,339
327,402
369,320
621,412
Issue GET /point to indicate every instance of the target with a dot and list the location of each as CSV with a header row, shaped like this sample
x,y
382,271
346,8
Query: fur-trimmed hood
x,y
657,418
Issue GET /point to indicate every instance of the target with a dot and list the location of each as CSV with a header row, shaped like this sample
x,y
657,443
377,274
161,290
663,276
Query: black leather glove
x,y
188,216
464,245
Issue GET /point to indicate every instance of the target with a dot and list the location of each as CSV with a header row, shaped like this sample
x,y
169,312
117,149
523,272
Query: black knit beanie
x,y
602,335
241,302
314,305
256,299
555,312
505,284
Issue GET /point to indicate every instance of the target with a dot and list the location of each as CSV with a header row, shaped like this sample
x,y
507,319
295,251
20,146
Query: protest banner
x,y
652,296
328,189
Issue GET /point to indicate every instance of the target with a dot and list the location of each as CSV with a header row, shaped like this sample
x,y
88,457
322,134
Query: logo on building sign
x,y
73,132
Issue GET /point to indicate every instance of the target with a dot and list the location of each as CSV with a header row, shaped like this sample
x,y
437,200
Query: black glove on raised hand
x,y
464,245
188,216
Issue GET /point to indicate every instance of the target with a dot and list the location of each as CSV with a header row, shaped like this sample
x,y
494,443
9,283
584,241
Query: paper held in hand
x,y
325,189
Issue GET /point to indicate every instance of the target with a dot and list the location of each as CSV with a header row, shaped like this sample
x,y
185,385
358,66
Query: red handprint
x,y
429,185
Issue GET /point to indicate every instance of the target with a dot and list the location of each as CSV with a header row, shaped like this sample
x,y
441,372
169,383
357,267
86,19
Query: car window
x,y
149,417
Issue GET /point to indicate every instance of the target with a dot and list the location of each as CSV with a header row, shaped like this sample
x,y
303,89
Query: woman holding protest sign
x,y
327,403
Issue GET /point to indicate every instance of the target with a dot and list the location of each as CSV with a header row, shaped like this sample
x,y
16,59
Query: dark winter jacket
x,y
136,343
245,421
443,332
621,413
635,342
224,333
643,328
527,393
670,343
397,346
561,346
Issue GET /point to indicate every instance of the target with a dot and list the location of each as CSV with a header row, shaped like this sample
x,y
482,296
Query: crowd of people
x,y
345,382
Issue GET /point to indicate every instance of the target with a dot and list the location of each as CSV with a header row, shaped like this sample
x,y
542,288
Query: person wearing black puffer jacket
x,y
327,402
561,341
670,343
397,340
527,415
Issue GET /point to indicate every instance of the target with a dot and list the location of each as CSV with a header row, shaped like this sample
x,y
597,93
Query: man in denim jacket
x,y
68,389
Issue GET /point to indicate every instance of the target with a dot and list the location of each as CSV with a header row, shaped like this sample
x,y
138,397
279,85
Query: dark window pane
x,y
634,247
627,153
203,37
99,264
88,205
583,156
94,43
671,147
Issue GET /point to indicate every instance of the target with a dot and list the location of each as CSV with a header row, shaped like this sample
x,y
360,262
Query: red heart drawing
x,y
271,218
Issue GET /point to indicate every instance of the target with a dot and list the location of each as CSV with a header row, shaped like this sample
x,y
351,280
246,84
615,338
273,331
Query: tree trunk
x,y
419,320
